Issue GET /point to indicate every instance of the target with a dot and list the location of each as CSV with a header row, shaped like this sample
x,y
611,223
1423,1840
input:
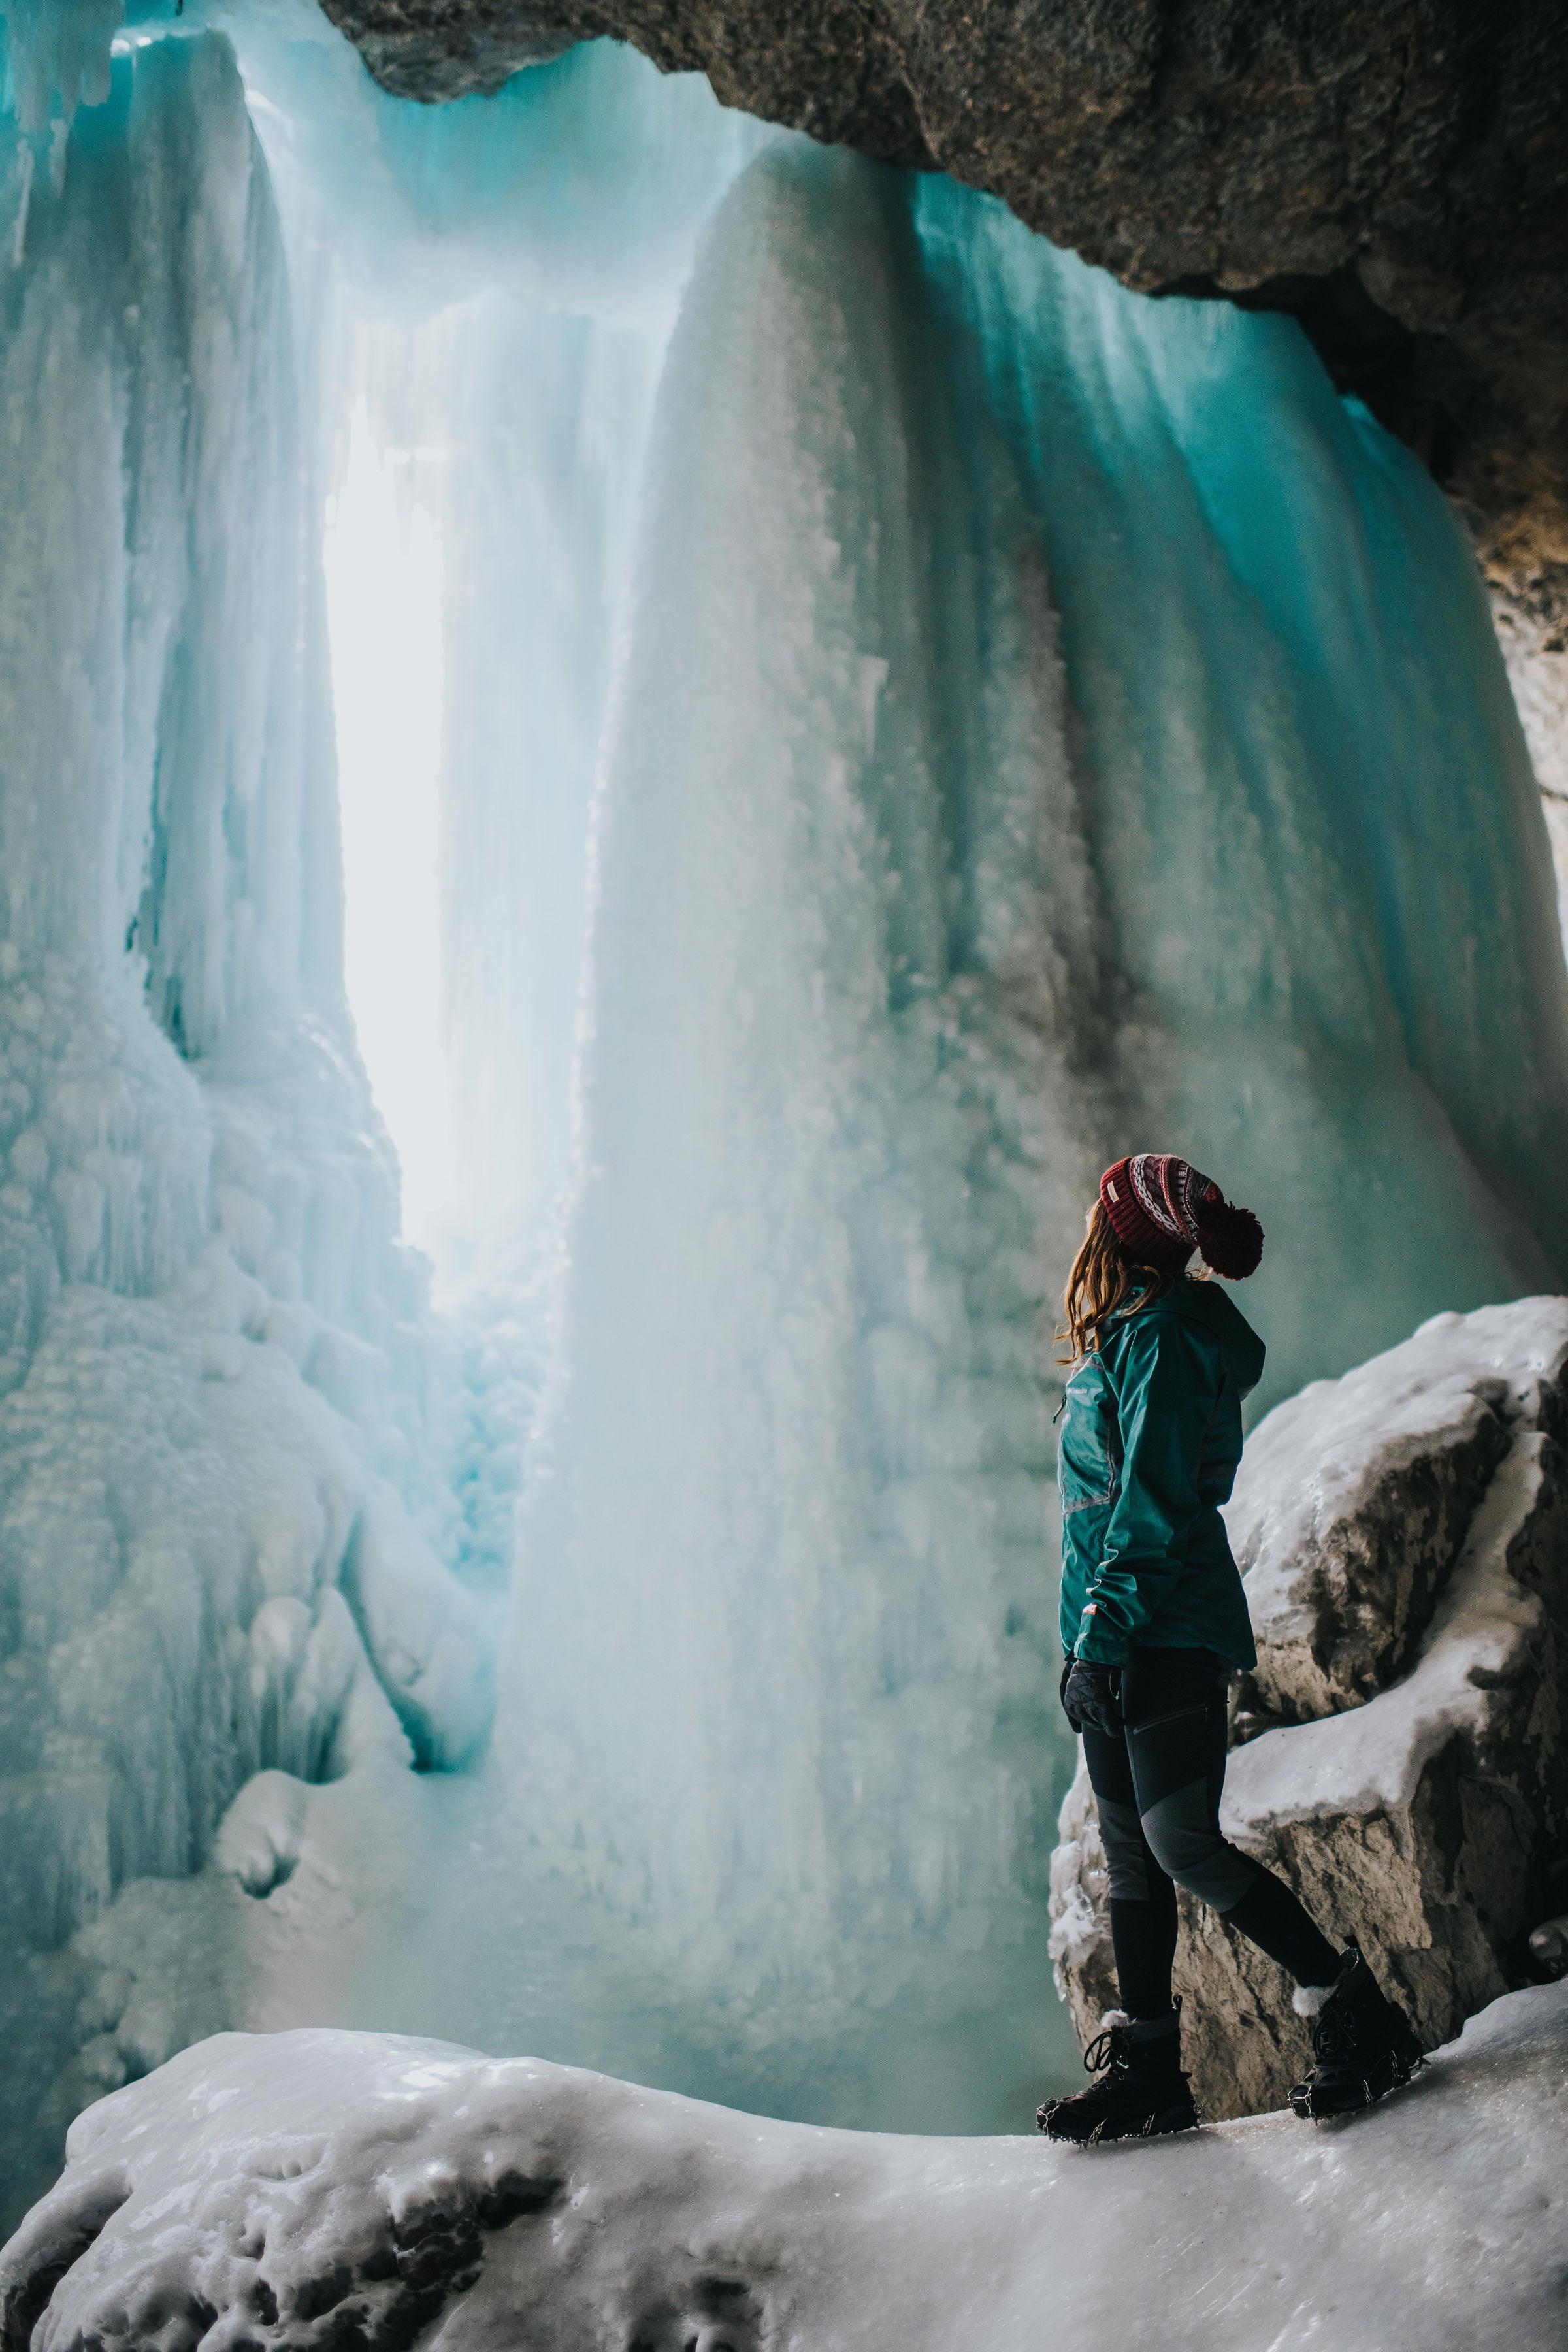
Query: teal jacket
x,y
1150,1438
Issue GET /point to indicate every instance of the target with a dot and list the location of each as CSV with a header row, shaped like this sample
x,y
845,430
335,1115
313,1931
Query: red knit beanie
x,y
1161,1210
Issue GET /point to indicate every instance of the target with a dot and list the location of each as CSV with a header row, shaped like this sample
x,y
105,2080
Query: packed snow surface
x,y
321,2187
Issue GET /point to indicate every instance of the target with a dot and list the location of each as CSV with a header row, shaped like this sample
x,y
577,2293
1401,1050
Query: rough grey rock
x,y
1355,1496
1532,631
1395,176
1428,1819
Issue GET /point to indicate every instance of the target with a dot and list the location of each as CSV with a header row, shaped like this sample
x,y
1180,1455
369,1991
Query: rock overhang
x,y
1396,179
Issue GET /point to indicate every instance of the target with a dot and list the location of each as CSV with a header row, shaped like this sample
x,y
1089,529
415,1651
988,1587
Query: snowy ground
x,y
323,2188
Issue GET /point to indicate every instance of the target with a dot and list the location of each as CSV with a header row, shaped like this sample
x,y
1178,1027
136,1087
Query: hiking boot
x,y
1362,2046
1142,2092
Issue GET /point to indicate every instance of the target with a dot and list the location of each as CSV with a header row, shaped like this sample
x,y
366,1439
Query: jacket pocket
x,y
1087,1472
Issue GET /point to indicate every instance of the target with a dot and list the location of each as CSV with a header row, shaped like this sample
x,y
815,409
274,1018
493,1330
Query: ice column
x,y
210,1345
168,826
782,1624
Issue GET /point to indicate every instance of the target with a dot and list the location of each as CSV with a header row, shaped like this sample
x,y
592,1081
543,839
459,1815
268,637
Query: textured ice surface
x,y
290,2190
782,1539
1279,791
1267,860
220,1473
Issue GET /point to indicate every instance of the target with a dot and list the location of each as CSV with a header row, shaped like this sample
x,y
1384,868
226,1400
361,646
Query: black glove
x,y
1089,1694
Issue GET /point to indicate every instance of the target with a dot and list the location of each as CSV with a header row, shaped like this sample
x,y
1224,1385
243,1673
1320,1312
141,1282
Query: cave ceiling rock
x,y
1395,176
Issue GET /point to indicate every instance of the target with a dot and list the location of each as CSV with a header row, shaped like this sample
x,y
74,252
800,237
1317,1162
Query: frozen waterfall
x,y
973,805
917,720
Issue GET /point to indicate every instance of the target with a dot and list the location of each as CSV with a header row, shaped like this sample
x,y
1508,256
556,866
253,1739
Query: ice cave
x,y
663,670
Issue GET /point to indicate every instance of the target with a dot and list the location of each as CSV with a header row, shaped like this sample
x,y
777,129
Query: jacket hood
x,y
1209,1304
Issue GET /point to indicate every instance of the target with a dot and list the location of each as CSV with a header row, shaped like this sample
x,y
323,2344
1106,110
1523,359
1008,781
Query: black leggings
x,y
1157,1787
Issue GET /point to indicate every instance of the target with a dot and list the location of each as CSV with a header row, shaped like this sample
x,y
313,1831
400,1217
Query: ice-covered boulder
x,y
1355,1497
320,2188
1404,1756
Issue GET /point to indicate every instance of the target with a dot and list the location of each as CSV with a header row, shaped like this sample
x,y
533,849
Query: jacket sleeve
x,y
1166,1390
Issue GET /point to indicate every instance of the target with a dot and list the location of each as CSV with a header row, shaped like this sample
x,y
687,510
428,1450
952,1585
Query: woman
x,y
1154,1623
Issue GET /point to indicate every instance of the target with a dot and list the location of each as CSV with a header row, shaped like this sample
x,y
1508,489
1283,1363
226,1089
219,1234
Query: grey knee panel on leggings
x,y
1126,1855
1179,1808
1185,1841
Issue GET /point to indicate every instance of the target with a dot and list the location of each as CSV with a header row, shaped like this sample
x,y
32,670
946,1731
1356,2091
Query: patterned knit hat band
x,y
1161,1208
1169,1191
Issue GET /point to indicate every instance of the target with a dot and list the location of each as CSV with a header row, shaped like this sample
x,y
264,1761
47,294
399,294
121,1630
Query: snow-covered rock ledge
x,y
320,2188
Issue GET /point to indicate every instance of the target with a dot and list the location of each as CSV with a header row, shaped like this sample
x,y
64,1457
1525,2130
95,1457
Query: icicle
x,y
59,49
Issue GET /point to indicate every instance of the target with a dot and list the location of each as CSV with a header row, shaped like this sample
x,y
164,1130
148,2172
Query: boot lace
x,y
1336,2035
1105,2049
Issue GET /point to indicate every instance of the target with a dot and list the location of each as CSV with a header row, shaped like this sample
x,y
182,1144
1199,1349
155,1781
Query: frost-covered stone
x,y
1426,1817
316,2189
1354,1497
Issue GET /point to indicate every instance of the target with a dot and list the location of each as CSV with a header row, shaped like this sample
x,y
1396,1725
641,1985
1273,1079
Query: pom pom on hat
x,y
1231,1240
1161,1208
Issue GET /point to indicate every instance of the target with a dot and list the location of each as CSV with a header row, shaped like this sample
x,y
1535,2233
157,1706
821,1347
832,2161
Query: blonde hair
x,y
1103,1280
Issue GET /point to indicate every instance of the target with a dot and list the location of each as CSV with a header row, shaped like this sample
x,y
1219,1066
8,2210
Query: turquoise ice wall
x,y
1049,723
1332,970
